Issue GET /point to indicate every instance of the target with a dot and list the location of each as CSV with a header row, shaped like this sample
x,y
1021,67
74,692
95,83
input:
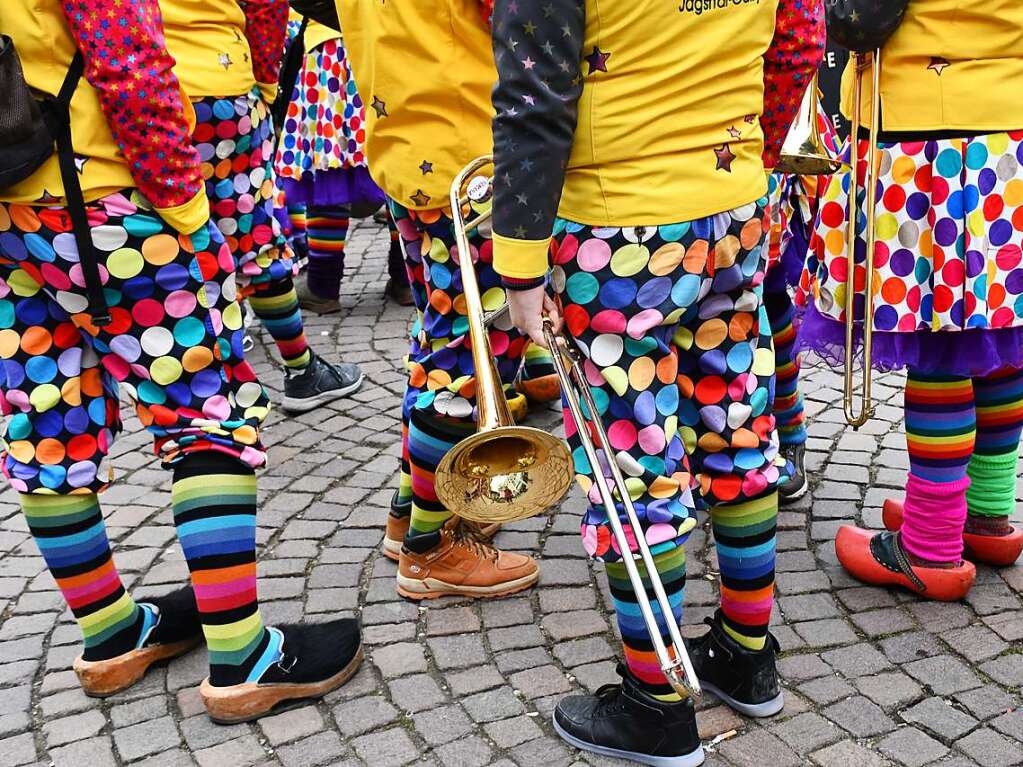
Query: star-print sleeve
x,y
538,48
487,9
127,63
266,27
795,53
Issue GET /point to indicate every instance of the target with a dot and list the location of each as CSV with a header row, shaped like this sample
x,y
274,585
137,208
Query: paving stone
x,y
944,674
757,748
801,667
826,689
399,659
975,643
940,718
1006,670
240,752
807,732
540,681
548,751
363,715
71,728
492,705
861,717
319,749
876,623
855,661
291,725
473,751
442,725
991,749
387,748
416,693
146,738
474,680
845,754
508,733
94,752
138,711
890,689
825,633
987,701
910,747
910,646
17,750
459,651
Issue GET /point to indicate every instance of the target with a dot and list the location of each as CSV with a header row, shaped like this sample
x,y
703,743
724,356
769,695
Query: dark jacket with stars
x,y
638,113
425,71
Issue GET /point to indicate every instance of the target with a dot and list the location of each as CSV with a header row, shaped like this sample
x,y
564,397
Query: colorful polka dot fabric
x,y
949,252
440,360
678,355
174,346
325,126
234,137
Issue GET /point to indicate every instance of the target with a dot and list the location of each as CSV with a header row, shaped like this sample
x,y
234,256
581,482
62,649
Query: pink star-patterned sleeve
x,y
795,53
127,63
266,27
487,9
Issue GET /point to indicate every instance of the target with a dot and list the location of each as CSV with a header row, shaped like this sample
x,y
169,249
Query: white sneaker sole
x,y
784,500
753,710
305,404
692,759
431,588
391,548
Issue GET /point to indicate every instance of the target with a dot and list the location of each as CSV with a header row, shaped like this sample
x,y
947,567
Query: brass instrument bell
x,y
804,152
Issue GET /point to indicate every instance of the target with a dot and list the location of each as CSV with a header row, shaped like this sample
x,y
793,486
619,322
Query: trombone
x,y
506,472
861,62
804,152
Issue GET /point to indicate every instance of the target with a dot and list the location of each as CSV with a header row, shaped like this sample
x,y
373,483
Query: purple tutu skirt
x,y
968,353
339,186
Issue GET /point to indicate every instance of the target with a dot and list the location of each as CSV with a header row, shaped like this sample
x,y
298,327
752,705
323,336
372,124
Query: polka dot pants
x,y
174,345
678,355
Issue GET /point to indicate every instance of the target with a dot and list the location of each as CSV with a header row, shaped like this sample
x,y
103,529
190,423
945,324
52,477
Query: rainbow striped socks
x,y
326,233
639,653
214,500
276,305
71,536
744,535
788,399
992,468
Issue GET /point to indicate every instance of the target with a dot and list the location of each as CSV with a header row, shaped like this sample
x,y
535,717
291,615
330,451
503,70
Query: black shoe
x,y
796,485
316,658
320,381
747,680
623,721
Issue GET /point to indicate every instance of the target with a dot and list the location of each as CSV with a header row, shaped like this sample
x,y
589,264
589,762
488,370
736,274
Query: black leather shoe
x,y
796,485
624,722
747,680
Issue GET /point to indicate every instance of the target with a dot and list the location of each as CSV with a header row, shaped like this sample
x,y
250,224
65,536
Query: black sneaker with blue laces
x,y
795,487
319,382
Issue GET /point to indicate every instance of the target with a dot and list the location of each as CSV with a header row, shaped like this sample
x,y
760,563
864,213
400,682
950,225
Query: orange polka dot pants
x,y
678,355
174,345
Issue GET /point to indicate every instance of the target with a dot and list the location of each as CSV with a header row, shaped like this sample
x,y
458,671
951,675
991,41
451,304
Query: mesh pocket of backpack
x,y
25,140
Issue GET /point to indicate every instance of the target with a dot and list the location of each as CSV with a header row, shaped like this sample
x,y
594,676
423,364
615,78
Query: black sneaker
x,y
796,485
316,658
747,680
623,721
320,381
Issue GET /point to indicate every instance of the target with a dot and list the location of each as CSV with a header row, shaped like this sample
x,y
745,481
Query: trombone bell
x,y
804,152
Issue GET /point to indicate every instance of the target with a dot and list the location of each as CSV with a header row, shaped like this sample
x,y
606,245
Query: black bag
x,y
29,129
864,25
290,69
25,139
322,11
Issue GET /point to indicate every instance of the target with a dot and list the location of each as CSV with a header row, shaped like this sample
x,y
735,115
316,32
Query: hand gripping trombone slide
x,y
498,447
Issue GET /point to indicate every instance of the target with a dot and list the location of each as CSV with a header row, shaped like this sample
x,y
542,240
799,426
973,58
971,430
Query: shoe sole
x,y
692,759
753,710
784,500
248,702
431,588
391,548
103,678
295,405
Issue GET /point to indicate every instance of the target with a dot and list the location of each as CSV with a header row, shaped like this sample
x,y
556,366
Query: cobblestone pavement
x,y
872,678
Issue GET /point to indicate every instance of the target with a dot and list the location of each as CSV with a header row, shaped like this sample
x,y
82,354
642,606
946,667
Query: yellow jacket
x,y
951,65
149,117
425,71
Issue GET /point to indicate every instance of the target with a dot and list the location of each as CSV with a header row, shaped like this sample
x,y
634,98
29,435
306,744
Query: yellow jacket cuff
x,y
268,91
188,217
521,259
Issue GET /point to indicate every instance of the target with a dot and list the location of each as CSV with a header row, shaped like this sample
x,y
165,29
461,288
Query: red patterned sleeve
x,y
266,27
795,53
487,9
127,62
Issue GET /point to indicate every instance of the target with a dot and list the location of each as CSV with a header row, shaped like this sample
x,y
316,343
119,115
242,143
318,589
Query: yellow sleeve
x,y
520,259
189,217
268,91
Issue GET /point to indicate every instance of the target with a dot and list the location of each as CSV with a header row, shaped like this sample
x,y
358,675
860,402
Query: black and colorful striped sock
x,y
744,538
639,653
276,305
71,536
429,439
788,399
214,501
327,232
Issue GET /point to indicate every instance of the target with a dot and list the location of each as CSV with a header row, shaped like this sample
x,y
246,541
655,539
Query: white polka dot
x,y
606,349
72,303
248,394
156,342
109,238
225,148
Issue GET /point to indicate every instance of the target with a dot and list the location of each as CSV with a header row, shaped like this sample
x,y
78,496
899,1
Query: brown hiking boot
x,y
462,566
398,525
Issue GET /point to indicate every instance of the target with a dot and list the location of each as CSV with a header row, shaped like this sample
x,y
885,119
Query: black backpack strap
x,y
291,67
60,107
